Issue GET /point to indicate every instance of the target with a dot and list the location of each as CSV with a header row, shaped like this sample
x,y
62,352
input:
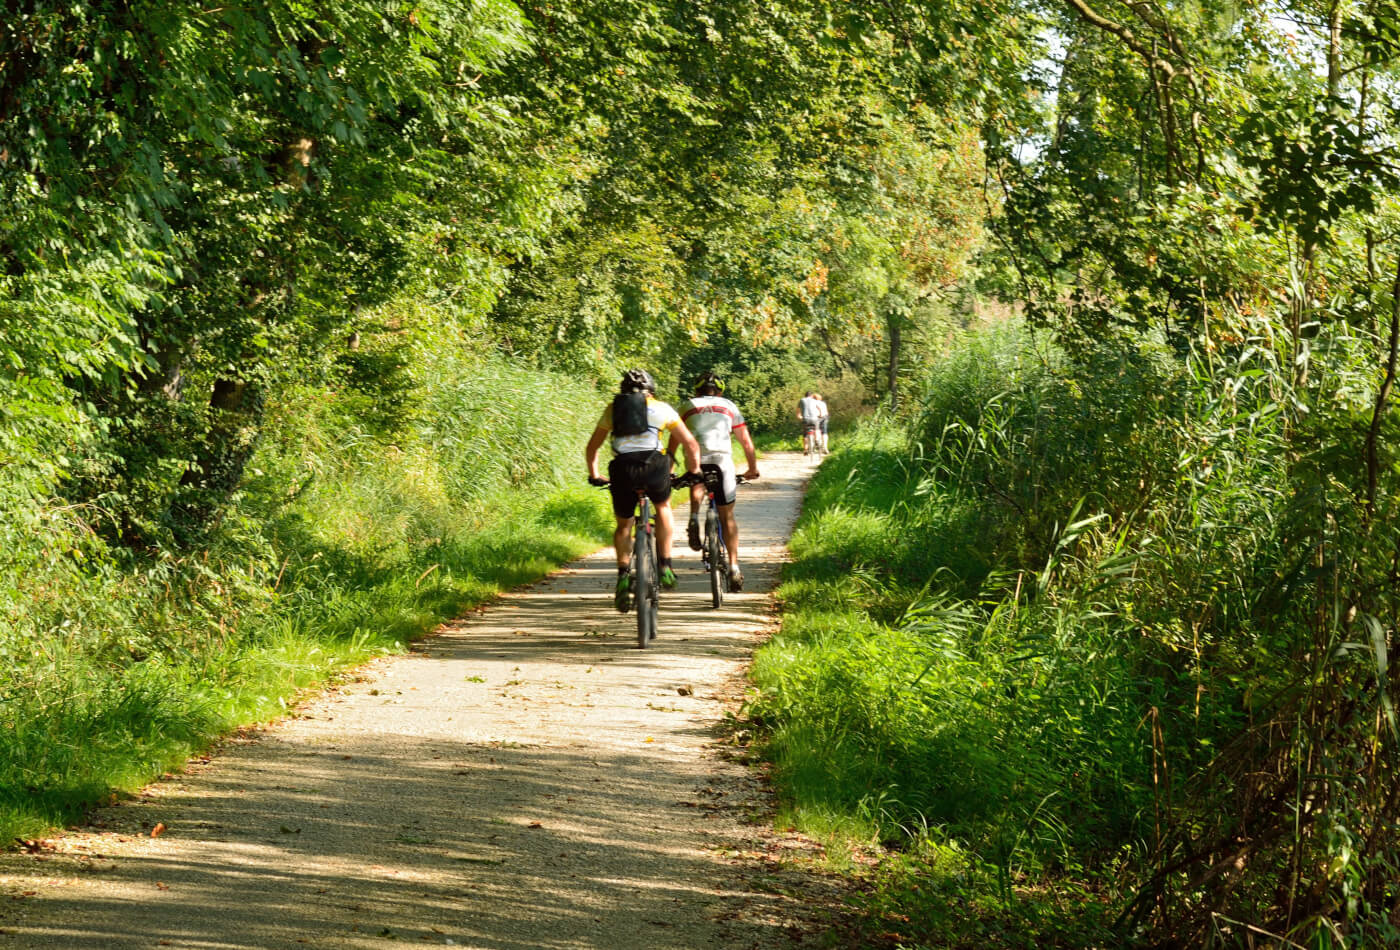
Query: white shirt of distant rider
x,y
812,409
711,419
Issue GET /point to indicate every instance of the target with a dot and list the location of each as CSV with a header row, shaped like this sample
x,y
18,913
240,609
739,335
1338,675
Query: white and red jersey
x,y
711,419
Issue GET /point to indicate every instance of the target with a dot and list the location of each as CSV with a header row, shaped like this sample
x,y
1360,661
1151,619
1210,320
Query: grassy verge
x,y
882,732
119,664
942,694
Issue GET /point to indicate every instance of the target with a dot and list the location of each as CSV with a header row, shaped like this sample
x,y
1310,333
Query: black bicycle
x,y
714,552
646,573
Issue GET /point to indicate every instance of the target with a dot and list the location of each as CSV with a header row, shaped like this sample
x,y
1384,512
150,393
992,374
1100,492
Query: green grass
x,y
897,715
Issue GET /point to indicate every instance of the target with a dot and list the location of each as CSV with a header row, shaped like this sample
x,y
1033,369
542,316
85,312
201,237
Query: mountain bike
x,y
713,552
646,573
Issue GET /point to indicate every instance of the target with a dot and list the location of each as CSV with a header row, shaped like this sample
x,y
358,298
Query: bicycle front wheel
x,y
714,552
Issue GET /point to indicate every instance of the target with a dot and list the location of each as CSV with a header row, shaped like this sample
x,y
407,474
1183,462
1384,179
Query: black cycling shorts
x,y
649,471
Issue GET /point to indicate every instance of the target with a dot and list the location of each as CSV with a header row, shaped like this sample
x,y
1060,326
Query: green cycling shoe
x,y
668,578
622,599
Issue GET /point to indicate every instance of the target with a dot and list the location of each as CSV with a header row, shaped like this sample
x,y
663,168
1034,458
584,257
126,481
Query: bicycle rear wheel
x,y
644,578
714,553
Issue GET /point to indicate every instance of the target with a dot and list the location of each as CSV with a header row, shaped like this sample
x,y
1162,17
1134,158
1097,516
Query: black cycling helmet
x,y
708,380
637,380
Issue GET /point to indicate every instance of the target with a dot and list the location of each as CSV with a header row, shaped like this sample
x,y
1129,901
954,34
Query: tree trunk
x,y
895,344
235,405
235,418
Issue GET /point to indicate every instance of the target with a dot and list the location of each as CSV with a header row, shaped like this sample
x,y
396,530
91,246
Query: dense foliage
x,y
1217,187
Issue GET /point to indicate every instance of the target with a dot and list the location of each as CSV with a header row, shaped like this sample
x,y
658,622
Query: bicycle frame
x,y
717,566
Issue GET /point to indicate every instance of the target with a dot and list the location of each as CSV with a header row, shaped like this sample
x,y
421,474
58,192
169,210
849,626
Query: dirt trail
x,y
526,779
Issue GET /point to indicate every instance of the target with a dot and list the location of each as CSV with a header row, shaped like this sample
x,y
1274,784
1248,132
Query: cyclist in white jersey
x,y
713,419
638,464
823,422
809,412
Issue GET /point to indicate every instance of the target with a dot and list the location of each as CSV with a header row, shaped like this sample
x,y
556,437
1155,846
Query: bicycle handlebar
x,y
683,480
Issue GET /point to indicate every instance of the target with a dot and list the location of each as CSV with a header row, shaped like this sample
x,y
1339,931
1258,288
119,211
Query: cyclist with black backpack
x,y
639,424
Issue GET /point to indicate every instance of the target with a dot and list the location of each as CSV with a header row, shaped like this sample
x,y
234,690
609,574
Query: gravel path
x,y
527,778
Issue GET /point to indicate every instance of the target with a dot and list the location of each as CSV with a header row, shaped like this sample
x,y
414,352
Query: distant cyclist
x,y
714,419
823,422
809,412
637,420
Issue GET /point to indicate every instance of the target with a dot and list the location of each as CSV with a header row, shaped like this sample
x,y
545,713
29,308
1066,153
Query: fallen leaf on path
x,y
648,739
162,886
158,830
535,824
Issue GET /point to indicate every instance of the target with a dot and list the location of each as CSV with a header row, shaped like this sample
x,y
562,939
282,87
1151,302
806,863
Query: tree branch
x,y
1130,39
1378,413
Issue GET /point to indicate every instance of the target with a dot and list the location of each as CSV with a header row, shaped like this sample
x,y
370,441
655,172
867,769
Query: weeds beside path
x,y
528,778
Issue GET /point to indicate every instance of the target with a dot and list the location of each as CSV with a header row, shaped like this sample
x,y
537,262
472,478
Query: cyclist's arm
x,y
746,440
590,451
679,433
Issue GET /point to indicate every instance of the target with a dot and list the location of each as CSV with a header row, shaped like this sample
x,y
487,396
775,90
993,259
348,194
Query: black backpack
x,y
629,411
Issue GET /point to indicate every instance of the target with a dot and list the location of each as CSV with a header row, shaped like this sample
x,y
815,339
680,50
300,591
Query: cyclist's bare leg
x,y
731,532
697,501
622,541
663,530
